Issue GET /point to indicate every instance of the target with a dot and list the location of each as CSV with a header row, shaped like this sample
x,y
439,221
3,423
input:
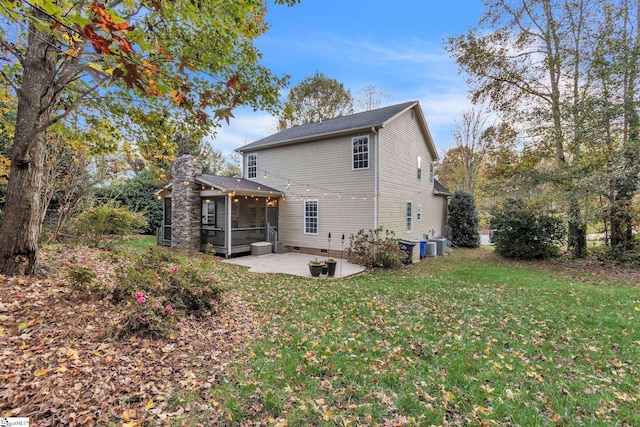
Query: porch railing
x,y
272,236
239,236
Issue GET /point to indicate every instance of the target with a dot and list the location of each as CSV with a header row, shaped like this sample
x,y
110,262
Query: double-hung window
x,y
360,152
431,173
310,217
409,217
252,165
419,168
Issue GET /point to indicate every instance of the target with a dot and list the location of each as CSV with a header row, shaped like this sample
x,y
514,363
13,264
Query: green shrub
x,y
375,248
526,232
106,223
159,289
463,220
82,279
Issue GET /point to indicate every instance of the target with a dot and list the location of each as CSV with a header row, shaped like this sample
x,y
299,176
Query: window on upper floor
x,y
252,166
431,173
409,217
310,217
419,168
360,152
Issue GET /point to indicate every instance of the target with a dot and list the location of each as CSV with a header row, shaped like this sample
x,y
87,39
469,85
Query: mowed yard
x,y
463,340
466,339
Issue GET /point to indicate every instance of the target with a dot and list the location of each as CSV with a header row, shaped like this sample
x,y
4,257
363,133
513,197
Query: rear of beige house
x,y
357,172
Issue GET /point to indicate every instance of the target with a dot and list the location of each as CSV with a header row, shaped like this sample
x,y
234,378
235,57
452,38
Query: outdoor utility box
x,y
422,246
260,248
441,246
431,249
407,247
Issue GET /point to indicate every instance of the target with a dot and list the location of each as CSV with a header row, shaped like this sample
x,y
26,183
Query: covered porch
x,y
223,214
236,213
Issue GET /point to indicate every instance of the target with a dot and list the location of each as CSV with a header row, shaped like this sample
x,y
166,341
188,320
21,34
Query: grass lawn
x,y
462,340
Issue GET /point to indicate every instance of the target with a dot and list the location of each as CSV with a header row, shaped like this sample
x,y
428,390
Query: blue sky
x,y
395,46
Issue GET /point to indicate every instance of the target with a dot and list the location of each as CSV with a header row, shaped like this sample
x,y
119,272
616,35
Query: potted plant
x,y
331,267
315,267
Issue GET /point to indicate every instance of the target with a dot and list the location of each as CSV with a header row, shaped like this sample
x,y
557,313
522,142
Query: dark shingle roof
x,y
440,189
364,120
226,183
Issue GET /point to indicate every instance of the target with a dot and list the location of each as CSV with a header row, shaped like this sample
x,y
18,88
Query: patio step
x,y
281,248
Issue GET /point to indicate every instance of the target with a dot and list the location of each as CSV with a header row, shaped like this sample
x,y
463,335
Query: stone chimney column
x,y
186,206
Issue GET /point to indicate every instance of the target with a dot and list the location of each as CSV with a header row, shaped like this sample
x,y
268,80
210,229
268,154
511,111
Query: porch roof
x,y
239,186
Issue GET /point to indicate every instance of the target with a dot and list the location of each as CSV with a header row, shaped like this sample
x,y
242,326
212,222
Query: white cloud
x,y
247,126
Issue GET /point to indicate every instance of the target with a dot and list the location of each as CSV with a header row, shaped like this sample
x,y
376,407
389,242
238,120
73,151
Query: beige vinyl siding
x,y
324,166
401,142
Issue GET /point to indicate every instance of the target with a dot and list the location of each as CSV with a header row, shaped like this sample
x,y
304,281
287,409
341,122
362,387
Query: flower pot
x,y
331,268
324,268
315,269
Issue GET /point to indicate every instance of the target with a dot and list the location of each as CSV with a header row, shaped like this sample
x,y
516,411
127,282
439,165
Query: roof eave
x,y
307,138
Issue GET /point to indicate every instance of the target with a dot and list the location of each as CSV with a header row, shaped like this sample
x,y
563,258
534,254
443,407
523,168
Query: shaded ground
x,y
60,365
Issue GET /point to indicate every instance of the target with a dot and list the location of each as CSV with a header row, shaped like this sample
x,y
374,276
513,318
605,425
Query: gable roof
x,y
340,125
237,185
440,189
226,184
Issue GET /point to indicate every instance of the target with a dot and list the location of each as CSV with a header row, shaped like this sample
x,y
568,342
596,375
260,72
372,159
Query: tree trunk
x,y
36,97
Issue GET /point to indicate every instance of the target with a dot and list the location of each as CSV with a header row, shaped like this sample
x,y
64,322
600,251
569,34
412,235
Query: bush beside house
x,y
464,220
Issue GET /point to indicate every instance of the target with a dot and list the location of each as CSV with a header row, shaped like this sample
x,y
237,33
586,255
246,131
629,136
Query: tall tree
x,y
461,165
370,98
531,69
127,61
314,99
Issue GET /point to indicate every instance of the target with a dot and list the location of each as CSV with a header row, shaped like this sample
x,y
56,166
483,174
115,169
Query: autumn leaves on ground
x,y
465,339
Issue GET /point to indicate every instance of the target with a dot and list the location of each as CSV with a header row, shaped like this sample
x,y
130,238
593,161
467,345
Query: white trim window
x,y
360,152
419,213
409,217
209,212
310,217
252,166
431,173
419,168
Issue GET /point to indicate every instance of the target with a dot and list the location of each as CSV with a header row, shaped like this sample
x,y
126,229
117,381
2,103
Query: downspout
x,y
376,142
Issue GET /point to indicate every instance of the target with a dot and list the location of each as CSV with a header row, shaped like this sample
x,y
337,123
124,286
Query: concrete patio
x,y
293,263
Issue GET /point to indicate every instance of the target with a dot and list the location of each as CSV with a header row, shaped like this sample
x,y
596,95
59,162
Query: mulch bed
x,y
60,365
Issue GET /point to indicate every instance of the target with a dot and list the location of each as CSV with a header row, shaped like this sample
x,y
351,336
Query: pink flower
x,y
159,285
171,310
215,302
174,269
138,340
140,297
180,325
156,304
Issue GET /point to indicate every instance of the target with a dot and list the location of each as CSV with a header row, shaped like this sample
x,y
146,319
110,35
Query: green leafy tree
x,y
463,220
136,194
314,99
136,63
